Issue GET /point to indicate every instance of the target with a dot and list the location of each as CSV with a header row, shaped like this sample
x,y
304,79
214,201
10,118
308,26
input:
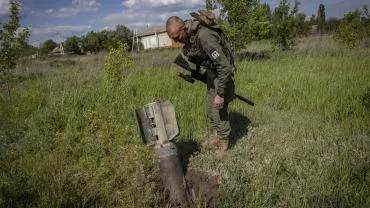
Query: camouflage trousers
x,y
219,118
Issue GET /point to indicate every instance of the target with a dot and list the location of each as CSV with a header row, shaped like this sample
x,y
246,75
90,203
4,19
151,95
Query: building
x,y
156,38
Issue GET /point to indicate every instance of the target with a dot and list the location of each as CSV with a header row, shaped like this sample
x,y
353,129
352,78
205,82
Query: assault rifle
x,y
196,75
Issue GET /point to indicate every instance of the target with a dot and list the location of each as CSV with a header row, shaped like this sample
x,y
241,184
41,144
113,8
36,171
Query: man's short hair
x,y
174,20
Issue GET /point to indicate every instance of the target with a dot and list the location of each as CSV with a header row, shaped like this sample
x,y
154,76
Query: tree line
x,y
93,41
248,20
242,20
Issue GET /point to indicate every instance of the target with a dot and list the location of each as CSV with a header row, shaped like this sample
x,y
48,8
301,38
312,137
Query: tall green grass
x,y
68,141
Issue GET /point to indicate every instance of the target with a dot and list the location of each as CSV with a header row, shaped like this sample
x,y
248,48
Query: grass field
x,y
69,141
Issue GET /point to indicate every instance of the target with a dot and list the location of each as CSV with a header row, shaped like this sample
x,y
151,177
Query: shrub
x,y
116,63
12,39
351,30
284,25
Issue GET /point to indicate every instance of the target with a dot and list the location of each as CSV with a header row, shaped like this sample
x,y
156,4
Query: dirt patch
x,y
203,187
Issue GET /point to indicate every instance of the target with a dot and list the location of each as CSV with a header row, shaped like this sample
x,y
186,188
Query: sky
x,y
59,19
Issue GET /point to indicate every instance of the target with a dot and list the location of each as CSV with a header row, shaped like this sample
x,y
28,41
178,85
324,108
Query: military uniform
x,y
208,48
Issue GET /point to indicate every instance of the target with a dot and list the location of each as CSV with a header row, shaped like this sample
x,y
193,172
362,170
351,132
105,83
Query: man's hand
x,y
219,102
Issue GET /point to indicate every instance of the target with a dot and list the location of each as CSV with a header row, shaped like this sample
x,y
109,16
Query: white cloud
x,y
160,3
141,13
64,12
108,28
85,3
130,18
77,7
182,14
53,30
4,7
49,11
57,33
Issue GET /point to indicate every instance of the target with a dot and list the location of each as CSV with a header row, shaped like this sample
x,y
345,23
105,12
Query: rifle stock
x,y
196,75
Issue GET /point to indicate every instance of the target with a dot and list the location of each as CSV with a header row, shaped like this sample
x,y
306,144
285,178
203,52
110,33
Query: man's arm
x,y
211,44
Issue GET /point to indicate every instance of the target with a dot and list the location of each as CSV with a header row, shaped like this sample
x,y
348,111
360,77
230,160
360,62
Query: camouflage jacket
x,y
205,47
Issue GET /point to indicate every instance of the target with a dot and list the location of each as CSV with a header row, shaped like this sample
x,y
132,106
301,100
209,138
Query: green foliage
x,y
12,41
261,27
29,50
267,9
105,40
313,20
303,27
352,29
239,19
47,46
332,25
93,42
116,63
121,34
321,19
285,25
72,44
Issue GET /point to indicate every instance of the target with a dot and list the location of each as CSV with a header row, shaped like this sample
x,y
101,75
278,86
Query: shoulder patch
x,y
215,55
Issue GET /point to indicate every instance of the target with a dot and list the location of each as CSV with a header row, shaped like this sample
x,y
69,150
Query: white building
x,y
156,38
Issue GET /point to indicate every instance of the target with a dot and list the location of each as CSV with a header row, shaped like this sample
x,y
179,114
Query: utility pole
x,y
133,41
137,40
60,44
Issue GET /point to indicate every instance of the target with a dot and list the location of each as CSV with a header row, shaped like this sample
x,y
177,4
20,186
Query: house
x,y
156,37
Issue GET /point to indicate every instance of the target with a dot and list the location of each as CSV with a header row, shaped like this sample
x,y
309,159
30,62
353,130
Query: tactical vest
x,y
193,49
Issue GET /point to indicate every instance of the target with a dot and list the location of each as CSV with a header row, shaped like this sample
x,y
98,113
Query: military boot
x,y
222,146
212,142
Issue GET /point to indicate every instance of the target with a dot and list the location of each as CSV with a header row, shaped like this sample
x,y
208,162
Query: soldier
x,y
205,45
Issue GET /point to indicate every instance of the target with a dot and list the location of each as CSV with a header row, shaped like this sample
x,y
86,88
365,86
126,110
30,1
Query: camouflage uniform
x,y
208,48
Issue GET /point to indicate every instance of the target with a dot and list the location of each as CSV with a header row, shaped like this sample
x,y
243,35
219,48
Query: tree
x,y
92,42
267,8
28,50
210,4
12,40
262,27
238,17
122,34
321,19
105,40
284,25
352,29
47,46
72,44
303,27
332,25
313,20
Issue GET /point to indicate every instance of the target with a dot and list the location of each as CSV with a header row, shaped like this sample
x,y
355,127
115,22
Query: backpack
x,y
207,18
